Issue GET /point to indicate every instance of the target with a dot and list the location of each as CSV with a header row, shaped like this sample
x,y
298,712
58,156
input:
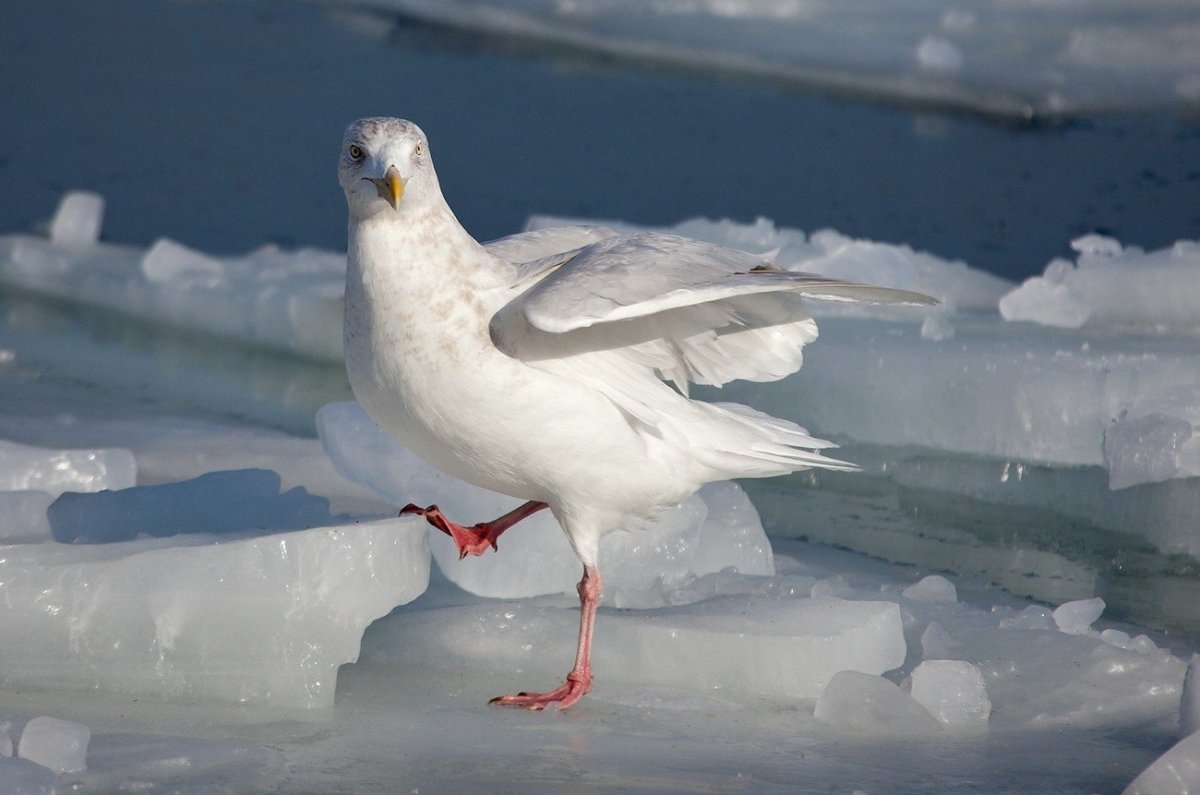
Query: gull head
x,y
384,166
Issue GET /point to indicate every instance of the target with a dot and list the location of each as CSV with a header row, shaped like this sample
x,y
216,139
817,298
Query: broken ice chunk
x,y
25,468
1154,438
936,54
1153,292
78,219
168,262
24,515
1046,302
266,619
934,588
1145,450
760,646
871,705
1075,618
953,691
60,745
936,643
936,328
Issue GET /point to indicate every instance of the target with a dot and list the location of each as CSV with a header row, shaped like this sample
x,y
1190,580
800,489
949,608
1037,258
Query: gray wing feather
x,y
628,276
686,310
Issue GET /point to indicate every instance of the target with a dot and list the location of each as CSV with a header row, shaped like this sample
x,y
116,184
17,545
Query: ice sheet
x,y
1110,698
286,300
1017,60
758,647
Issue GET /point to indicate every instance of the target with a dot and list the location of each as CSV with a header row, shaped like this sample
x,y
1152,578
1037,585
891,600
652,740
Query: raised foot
x,y
473,540
576,687
476,539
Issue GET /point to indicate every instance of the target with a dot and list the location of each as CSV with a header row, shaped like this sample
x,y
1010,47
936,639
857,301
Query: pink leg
x,y
476,539
579,681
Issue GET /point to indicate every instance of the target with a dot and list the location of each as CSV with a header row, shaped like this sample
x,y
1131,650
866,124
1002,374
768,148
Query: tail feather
x,y
744,442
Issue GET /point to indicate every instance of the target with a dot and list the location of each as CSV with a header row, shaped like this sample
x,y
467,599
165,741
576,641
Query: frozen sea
x,y
203,583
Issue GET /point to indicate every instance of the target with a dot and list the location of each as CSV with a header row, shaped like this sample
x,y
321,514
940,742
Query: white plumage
x,y
553,365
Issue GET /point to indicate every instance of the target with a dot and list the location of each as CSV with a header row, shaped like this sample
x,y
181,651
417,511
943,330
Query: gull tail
x,y
741,442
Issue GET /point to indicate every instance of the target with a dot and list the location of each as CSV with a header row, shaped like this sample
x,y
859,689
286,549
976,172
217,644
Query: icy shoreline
x,y
229,563
1018,61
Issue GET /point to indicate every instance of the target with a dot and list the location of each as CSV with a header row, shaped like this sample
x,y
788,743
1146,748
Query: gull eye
x,y
356,152
418,150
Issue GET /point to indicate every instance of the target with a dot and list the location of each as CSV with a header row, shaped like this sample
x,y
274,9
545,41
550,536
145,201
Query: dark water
x,y
216,123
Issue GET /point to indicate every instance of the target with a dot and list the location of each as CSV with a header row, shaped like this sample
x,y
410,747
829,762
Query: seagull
x,y
554,365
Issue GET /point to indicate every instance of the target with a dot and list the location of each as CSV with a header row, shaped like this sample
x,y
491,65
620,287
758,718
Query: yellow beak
x,y
390,187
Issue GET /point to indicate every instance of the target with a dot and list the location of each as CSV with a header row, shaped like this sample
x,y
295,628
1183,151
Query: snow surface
x,y
1011,59
201,624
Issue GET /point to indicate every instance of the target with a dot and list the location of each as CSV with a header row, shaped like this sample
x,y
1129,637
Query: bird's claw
x,y
473,540
578,685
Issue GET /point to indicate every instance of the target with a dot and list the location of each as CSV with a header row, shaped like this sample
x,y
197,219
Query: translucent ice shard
x,y
265,619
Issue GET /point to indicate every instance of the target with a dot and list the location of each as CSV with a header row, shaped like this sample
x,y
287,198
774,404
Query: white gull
x,y
554,366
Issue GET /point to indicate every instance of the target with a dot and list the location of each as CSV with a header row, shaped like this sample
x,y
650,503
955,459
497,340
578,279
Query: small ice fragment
x,y
1115,637
1177,771
958,20
1143,645
1145,450
168,262
1075,618
835,587
1040,300
953,691
934,588
936,328
935,54
1097,245
60,745
1189,704
1032,617
871,705
78,219
936,643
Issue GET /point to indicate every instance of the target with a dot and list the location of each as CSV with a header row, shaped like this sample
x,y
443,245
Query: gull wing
x,y
544,249
641,274
685,310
